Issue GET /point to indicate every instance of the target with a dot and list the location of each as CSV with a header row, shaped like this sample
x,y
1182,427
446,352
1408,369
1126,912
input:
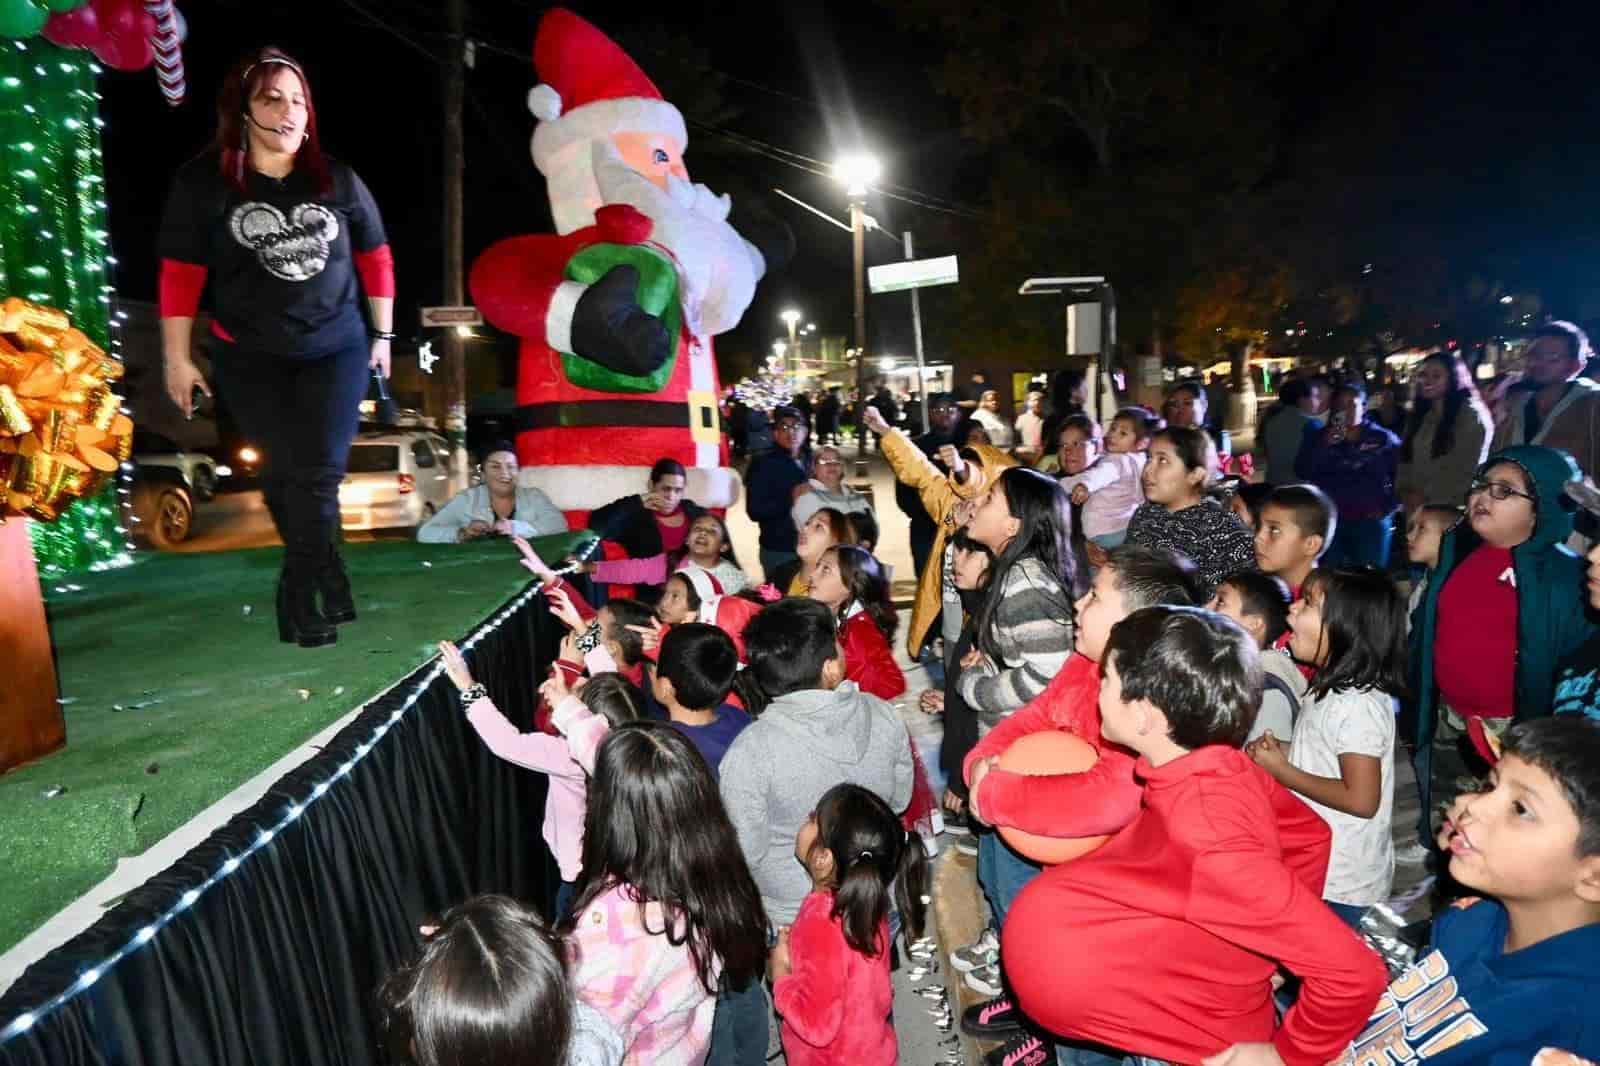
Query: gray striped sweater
x,y
1033,628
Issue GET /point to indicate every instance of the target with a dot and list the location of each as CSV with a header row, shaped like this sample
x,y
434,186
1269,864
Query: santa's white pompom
x,y
544,102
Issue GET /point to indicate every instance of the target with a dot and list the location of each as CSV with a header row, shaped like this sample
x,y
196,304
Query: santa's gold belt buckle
x,y
704,427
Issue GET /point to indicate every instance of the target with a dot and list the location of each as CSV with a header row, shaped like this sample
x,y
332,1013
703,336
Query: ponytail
x,y
871,851
911,887
750,693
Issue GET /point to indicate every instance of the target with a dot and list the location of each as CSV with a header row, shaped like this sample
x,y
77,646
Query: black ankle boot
x,y
299,622
338,603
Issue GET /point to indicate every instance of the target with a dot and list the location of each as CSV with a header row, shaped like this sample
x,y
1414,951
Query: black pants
x,y
301,414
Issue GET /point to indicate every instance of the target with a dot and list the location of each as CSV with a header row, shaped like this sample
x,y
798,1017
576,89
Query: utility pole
x,y
858,233
916,326
455,91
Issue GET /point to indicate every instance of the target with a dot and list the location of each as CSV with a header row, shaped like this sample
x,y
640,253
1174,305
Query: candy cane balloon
x,y
169,52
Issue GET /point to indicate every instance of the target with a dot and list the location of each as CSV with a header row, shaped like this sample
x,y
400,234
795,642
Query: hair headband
x,y
291,64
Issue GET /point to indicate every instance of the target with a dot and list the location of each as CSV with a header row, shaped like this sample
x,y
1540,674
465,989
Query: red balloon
x,y
1051,751
79,28
126,28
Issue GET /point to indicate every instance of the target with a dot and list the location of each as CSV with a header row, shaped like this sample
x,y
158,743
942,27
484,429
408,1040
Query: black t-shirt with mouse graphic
x,y
280,270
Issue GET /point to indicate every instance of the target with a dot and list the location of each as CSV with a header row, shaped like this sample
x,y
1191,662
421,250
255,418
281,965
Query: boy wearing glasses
x,y
1504,607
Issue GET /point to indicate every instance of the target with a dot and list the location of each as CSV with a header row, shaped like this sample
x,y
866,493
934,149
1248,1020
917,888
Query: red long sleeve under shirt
x,y
1099,801
182,283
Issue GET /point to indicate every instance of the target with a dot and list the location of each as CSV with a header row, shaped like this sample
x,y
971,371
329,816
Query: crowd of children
x,y
740,819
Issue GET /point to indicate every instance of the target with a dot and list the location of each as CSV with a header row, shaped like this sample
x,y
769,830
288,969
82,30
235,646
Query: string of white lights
x,y
264,836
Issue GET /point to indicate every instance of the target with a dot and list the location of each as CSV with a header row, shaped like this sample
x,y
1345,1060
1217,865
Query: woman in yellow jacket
x,y
980,465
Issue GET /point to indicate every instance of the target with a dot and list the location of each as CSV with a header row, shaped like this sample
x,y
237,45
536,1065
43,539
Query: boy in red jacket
x,y
1106,797
1164,942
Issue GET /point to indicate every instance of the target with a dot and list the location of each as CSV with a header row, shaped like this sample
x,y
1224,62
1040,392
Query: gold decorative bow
x,y
62,430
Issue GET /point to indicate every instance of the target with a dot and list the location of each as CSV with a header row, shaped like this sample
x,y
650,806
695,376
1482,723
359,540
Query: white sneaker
x,y
985,980
985,951
1412,854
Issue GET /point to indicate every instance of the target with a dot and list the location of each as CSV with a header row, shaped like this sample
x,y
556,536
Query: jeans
x,y
740,1027
1002,873
1083,1055
564,896
302,415
1361,542
1348,913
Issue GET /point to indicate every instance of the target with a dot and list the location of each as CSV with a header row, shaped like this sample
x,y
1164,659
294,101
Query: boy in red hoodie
x,y
1105,798
1164,942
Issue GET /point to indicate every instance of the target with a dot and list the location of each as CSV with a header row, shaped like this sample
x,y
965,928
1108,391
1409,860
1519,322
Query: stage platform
x,y
177,693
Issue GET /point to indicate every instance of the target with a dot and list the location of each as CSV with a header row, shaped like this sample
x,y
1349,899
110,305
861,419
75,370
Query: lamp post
x,y
857,172
791,318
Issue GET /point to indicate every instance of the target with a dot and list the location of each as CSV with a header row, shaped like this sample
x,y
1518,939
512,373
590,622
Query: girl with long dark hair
x,y
286,239
708,547
666,907
1446,435
830,970
851,582
490,986
1024,628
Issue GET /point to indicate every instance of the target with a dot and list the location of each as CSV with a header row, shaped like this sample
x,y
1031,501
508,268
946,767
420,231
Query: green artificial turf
x,y
179,691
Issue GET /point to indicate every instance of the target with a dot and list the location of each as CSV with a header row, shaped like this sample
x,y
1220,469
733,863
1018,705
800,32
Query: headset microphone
x,y
284,129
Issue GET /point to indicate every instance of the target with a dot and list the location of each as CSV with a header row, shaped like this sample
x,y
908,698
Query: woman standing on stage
x,y
281,233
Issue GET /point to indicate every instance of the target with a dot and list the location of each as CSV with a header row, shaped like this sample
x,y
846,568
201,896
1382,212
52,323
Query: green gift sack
x,y
657,294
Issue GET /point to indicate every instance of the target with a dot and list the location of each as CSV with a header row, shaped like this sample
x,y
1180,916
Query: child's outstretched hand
x,y
561,606
532,563
1268,753
455,665
778,958
650,635
1246,1055
931,701
1080,495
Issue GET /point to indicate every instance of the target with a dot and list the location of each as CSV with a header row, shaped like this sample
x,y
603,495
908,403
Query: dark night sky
x,y
1473,120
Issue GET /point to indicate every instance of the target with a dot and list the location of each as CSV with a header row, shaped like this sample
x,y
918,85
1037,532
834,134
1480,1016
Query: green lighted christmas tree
x,y
55,249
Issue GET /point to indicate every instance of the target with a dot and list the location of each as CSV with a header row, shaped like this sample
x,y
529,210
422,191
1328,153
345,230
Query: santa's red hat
x,y
589,88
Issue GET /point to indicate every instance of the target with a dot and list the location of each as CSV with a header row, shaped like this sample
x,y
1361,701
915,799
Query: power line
x,y
393,32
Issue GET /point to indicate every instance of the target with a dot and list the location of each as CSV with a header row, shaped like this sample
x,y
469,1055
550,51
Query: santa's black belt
x,y
609,414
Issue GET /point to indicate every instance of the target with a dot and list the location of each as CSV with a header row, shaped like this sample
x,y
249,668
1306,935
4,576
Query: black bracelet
x,y
381,335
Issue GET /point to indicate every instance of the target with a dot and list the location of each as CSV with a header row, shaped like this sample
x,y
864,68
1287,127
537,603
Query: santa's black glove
x,y
610,328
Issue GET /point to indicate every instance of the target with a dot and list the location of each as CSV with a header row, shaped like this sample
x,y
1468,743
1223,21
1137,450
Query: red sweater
x,y
1475,643
1164,942
868,659
1098,801
835,1001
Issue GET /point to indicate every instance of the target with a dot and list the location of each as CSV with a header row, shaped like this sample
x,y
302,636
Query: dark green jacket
x,y
1551,607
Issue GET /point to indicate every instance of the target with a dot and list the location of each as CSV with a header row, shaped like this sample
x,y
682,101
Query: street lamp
x,y
857,171
791,318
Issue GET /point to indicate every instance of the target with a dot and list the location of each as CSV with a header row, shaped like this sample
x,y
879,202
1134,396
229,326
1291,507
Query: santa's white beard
x,y
717,268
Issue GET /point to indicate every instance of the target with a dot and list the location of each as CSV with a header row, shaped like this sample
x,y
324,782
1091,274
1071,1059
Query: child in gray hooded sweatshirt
x,y
817,731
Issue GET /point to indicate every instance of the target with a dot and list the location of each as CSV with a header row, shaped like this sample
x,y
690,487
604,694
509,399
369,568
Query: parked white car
x,y
395,479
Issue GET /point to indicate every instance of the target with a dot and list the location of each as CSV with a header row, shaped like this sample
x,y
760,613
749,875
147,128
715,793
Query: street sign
x,y
913,274
439,317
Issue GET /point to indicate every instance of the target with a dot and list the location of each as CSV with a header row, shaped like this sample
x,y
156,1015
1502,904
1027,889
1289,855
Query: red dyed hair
x,y
233,103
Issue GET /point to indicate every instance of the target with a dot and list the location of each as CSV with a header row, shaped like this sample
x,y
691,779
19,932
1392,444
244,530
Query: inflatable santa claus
x,y
617,310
